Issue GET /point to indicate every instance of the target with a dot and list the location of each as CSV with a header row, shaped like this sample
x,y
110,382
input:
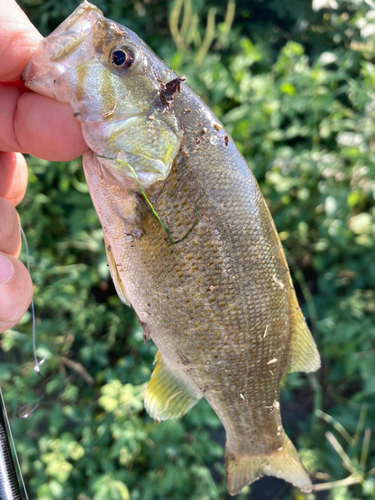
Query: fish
x,y
190,242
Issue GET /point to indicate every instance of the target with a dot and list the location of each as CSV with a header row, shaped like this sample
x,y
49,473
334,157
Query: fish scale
x,y
219,304
239,322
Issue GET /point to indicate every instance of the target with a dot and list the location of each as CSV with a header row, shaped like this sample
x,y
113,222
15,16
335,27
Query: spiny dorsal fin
x,y
284,463
304,354
168,395
115,275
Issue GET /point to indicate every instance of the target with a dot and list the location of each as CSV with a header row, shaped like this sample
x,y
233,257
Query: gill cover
x,y
112,79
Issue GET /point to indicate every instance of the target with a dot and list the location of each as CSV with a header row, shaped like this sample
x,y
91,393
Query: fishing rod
x,y
11,479
9,484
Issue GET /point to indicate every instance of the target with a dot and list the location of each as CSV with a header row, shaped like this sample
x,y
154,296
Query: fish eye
x,y
121,58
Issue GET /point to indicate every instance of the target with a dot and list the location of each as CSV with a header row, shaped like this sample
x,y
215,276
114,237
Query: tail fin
x,y
284,463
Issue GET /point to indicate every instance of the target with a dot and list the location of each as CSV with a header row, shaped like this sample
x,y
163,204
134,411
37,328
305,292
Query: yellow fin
x,y
115,275
304,353
169,395
284,463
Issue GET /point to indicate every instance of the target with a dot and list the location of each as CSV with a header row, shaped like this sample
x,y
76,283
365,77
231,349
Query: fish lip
x,y
43,83
81,21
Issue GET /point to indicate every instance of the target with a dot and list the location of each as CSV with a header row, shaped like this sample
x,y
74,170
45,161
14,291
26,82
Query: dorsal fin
x,y
168,394
304,353
304,356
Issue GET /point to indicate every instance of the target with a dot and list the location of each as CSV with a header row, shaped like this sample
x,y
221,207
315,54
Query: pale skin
x,y
32,124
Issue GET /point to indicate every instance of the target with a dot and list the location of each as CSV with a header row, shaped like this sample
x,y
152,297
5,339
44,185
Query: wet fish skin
x,y
220,305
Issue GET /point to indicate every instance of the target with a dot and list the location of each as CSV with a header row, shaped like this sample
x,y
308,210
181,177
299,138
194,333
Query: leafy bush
x,y
294,87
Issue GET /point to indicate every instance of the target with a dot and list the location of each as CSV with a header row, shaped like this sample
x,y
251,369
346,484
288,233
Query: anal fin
x,y
115,275
304,353
284,463
169,395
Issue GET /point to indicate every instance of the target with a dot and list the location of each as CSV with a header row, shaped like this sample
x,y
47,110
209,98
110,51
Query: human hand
x,y
32,124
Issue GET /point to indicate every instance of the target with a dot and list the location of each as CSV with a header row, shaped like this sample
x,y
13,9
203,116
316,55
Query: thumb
x,y
16,291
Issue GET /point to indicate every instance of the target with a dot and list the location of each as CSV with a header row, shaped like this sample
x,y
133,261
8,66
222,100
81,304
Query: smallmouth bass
x,y
220,304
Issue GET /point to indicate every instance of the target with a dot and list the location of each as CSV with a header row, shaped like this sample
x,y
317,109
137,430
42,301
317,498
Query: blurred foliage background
x,y
294,83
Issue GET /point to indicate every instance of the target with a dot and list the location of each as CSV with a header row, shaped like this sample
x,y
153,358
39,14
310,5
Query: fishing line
x,y
37,363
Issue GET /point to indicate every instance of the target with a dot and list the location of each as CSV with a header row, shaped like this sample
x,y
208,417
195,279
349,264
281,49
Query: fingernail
x,y
6,269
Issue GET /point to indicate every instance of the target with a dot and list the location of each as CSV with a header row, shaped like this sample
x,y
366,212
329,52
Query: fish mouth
x,y
39,76
69,42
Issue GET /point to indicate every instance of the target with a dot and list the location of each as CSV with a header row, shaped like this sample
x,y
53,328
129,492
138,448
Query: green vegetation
x,y
295,88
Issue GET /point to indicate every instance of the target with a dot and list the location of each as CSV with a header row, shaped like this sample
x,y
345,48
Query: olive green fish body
x,y
219,305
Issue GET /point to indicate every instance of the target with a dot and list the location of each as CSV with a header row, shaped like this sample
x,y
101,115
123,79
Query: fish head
x,y
112,80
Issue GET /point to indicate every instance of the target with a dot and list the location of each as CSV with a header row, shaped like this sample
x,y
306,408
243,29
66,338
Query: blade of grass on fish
x,y
151,206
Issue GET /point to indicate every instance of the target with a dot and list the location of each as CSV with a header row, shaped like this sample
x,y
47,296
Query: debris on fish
x,y
220,304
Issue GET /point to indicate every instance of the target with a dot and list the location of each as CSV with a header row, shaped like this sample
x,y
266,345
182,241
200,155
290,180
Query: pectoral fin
x,y
169,395
115,275
304,354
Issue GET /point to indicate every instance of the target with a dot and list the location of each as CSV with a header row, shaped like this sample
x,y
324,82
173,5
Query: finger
x,y
10,237
18,41
13,175
38,125
16,291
